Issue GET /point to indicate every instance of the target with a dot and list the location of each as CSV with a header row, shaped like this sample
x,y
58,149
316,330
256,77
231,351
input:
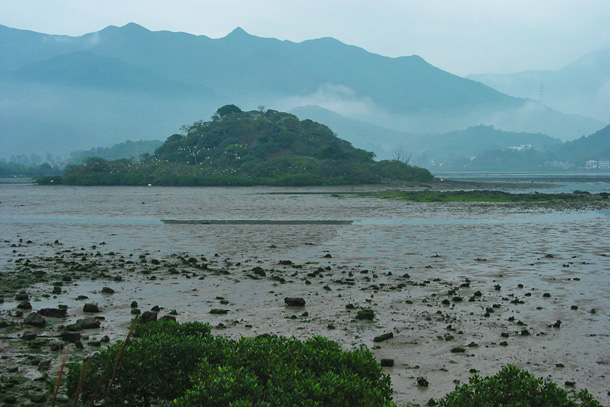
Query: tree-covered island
x,y
237,148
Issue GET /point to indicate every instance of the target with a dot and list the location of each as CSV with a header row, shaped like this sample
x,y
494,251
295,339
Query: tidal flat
x,y
500,282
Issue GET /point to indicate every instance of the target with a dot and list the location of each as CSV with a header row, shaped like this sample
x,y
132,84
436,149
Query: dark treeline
x,y
12,169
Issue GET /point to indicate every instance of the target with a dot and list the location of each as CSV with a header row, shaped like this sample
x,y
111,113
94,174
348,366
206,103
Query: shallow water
x,y
488,244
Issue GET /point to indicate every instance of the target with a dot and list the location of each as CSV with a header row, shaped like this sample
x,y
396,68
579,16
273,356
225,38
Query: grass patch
x,y
578,197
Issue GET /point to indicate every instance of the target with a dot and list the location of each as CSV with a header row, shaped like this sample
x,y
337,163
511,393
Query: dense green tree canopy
x,y
259,147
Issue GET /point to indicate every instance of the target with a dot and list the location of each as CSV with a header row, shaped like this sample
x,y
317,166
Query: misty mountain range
x,y
582,87
60,94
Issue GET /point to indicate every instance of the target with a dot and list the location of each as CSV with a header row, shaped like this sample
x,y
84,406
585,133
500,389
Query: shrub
x,y
183,362
156,366
278,371
514,387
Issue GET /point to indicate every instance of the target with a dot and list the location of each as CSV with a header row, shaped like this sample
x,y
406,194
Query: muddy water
x,y
442,244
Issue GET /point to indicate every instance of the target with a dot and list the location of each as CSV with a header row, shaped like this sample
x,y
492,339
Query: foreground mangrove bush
x,y
183,362
514,387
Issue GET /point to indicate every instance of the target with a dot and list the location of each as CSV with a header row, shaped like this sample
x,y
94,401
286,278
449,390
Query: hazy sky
x,y
460,36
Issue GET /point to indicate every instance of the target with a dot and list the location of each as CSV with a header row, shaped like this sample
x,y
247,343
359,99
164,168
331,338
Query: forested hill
x,y
235,138
259,147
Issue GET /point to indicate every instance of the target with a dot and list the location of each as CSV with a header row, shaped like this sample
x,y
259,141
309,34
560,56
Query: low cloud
x,y
337,98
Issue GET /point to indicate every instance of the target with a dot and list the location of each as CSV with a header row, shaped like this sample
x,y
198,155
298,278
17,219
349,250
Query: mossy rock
x,y
366,314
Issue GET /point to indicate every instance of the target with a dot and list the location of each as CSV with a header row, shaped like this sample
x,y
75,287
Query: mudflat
x,y
462,287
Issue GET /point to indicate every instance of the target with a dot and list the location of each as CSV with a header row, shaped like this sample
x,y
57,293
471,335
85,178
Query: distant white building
x,y
603,164
521,147
591,164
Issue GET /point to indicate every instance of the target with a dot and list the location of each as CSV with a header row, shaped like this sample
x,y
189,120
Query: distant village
x,y
589,165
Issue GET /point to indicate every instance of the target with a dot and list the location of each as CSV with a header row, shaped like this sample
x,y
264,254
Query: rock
x,y
156,308
148,316
107,290
35,319
259,271
422,382
22,296
28,336
218,311
38,398
366,314
87,323
90,307
383,337
294,301
72,337
168,317
53,312
134,304
25,304
56,346
387,362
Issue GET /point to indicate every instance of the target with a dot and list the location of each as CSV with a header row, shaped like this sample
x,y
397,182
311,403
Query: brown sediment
x,y
428,271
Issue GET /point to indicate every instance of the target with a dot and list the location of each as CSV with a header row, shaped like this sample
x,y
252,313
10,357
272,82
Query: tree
x,y
400,153
226,110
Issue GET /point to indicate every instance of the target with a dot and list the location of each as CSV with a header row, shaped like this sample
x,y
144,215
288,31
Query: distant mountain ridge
x,y
131,83
582,87
428,148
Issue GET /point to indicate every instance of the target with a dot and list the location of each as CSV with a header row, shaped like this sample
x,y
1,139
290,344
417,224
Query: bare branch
x,y
400,153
